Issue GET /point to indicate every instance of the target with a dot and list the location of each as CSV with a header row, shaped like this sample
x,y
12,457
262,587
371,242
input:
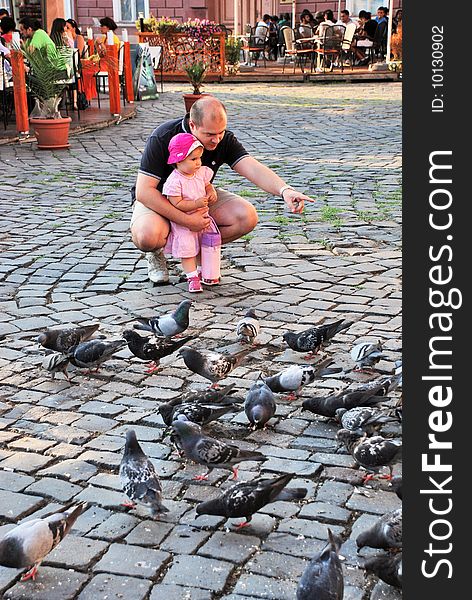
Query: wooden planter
x,y
179,50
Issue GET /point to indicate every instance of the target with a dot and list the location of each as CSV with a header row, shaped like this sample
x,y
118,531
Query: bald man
x,y
234,215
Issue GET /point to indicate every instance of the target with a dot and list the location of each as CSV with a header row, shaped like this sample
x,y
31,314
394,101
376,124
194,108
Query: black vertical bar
x,y
437,233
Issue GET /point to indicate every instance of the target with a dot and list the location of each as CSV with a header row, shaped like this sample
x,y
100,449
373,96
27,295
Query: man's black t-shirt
x,y
156,152
370,27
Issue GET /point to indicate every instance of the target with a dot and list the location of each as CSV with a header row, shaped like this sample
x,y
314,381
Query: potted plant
x,y
233,48
196,73
47,79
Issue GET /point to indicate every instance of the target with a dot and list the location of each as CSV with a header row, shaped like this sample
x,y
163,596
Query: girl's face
x,y
69,30
191,164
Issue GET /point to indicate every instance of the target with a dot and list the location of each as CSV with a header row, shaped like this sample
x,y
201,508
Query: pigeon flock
x,y
361,411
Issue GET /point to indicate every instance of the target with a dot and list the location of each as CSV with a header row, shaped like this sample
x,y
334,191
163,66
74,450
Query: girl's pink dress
x,y
183,243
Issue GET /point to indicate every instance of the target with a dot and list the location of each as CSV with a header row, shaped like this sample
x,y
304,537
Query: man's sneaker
x,y
194,284
157,267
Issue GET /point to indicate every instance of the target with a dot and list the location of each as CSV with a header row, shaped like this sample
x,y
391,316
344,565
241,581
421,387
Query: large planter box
x,y
179,49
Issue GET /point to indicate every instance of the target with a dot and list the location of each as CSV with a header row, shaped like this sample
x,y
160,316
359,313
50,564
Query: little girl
x,y
187,188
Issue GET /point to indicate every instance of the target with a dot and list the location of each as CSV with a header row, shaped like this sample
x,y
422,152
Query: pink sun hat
x,y
180,146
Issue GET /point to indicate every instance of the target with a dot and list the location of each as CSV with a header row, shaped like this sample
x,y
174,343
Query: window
x,y
126,11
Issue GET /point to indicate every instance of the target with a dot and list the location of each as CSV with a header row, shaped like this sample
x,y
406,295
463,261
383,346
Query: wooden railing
x,y
180,50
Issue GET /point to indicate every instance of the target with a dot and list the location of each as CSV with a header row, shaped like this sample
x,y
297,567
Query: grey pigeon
x,y
248,327
245,499
169,324
366,355
211,365
388,567
366,394
372,453
201,413
314,339
396,483
260,404
138,477
56,363
323,577
143,348
94,352
386,533
365,418
295,377
210,394
28,544
62,340
209,451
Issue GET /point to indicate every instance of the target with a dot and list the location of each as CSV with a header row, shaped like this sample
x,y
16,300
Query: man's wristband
x,y
282,190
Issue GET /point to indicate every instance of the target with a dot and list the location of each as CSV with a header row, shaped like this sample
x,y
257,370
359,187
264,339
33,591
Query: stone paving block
x,y
91,518
14,482
377,501
112,587
334,491
383,591
301,468
149,533
100,496
124,559
57,489
275,564
106,460
13,505
75,552
71,470
184,540
293,545
177,592
198,571
69,435
230,546
7,577
115,527
324,512
306,528
30,444
266,587
50,584
27,462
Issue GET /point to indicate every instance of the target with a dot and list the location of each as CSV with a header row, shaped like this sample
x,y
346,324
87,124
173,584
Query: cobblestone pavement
x,y
67,259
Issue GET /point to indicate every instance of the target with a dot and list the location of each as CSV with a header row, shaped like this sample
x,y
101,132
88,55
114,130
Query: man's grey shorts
x,y
139,210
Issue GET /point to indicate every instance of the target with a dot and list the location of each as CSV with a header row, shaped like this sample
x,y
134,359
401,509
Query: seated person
x,y
327,22
106,24
307,24
364,37
7,27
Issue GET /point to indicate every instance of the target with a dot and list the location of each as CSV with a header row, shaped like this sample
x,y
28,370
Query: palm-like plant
x,y
47,78
196,73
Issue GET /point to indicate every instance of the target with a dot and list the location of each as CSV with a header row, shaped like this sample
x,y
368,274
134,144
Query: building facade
x,y
125,12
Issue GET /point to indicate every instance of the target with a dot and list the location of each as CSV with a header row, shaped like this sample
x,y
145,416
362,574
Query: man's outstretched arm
x,y
270,182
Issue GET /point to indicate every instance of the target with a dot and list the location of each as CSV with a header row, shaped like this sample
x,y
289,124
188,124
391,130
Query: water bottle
x,y
211,257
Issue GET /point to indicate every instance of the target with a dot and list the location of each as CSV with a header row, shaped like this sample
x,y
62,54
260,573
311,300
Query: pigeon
x,y
93,353
248,327
372,453
201,413
209,451
142,348
56,363
364,418
295,377
388,567
396,483
138,477
215,395
385,533
245,499
315,338
323,577
170,324
62,340
398,372
28,544
211,365
366,394
259,405
366,355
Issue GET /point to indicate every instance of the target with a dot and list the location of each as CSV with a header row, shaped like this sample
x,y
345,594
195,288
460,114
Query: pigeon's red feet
x,y
367,477
243,524
214,386
309,356
31,574
387,477
128,504
201,477
235,473
292,396
153,367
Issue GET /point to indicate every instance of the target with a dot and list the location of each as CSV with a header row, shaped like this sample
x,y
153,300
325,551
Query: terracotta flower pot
x,y
189,100
52,134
